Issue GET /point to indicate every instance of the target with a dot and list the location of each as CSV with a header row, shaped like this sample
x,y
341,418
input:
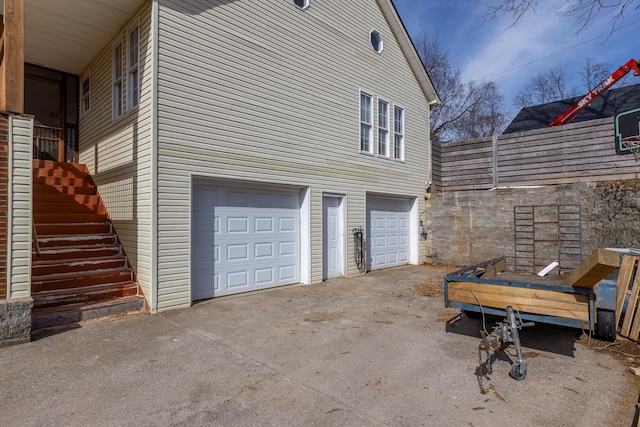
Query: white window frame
x,y
398,133
85,97
305,4
117,80
366,126
383,128
133,66
380,41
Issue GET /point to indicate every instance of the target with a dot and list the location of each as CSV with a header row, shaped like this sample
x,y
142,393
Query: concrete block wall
x,y
15,321
468,227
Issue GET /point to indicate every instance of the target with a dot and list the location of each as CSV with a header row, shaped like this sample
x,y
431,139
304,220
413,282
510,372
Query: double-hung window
x,y
366,122
383,128
85,91
117,83
398,133
133,60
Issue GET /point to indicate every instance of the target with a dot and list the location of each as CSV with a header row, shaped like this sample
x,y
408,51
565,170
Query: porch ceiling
x,y
66,34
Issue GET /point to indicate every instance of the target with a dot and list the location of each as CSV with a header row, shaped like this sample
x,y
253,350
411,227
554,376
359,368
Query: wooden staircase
x,y
82,271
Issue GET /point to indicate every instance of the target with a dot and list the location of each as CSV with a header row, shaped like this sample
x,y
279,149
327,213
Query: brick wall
x,y
4,152
468,227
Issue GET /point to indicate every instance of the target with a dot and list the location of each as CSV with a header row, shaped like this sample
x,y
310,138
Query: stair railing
x,y
34,235
48,143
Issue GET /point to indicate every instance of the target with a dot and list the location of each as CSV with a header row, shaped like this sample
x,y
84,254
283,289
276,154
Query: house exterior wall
x,y
276,100
118,152
19,209
4,163
16,136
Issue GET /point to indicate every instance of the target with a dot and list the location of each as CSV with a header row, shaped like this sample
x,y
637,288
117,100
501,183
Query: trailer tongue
x,y
583,300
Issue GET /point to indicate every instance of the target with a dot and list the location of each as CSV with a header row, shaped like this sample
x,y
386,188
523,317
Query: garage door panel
x,y
264,225
237,279
256,244
237,198
263,276
264,250
388,229
287,224
238,252
287,272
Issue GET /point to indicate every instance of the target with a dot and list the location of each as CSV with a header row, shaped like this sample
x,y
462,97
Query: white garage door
x,y
388,232
243,239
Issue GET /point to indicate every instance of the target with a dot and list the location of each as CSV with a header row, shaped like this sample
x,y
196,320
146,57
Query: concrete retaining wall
x,y
467,227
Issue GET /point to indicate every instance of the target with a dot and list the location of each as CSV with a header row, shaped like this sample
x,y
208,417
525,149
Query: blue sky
x,y
490,49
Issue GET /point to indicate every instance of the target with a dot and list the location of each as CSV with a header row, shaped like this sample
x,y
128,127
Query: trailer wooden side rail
x,y
479,288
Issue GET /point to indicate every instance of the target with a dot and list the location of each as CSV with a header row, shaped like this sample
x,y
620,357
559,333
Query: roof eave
x,y
409,51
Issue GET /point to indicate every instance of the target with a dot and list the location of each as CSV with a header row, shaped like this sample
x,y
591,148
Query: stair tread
x,y
79,236
53,249
72,261
82,271
66,292
79,274
86,306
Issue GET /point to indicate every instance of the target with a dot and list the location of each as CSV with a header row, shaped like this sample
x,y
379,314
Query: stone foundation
x,y
15,321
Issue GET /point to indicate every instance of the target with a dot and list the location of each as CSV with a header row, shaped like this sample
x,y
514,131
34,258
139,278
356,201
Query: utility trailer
x,y
581,300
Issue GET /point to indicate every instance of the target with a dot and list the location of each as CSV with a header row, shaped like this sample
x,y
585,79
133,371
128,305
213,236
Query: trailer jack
x,y
503,334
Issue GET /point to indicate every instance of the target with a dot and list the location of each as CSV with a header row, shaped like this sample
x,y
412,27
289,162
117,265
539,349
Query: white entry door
x,y
387,232
332,237
243,239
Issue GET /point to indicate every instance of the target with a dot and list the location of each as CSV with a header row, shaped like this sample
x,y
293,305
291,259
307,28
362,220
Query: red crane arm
x,y
602,87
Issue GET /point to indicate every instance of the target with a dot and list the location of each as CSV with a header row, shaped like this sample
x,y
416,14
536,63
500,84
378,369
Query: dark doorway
x,y
52,98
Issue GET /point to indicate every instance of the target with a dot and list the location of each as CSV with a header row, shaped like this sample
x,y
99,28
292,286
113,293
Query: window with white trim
x,y
302,4
85,100
398,133
133,60
366,122
117,83
376,41
383,128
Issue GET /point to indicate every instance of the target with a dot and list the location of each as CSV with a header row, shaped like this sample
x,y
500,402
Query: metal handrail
x,y
34,235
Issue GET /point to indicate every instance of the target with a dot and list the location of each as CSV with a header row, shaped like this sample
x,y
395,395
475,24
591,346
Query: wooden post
x,y
494,151
12,67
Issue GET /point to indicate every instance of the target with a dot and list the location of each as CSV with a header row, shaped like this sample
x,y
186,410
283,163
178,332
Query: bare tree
x,y
547,86
593,73
584,12
485,118
462,103
554,84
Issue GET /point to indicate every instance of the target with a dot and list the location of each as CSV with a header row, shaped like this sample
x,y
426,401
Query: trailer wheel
x,y
516,373
606,325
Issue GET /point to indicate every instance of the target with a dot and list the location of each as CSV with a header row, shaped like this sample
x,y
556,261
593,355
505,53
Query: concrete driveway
x,y
364,351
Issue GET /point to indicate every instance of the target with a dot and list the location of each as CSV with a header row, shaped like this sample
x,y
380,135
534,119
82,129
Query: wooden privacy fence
x,y
576,152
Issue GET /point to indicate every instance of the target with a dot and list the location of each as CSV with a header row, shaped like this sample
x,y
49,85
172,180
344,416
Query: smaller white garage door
x,y
243,239
388,232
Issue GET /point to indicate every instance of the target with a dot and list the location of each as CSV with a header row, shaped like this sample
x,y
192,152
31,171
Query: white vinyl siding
x,y
19,207
233,105
118,154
